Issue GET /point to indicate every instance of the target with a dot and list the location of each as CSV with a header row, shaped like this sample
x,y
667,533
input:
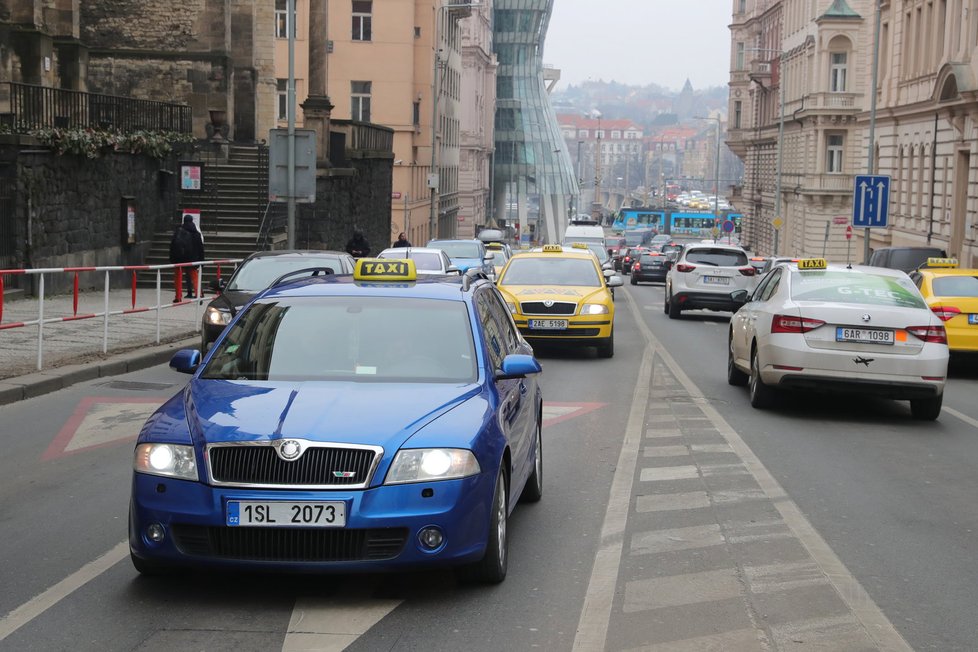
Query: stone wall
x,y
73,208
358,198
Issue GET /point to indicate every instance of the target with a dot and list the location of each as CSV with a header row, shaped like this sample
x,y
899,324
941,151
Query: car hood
x,y
232,299
341,412
556,293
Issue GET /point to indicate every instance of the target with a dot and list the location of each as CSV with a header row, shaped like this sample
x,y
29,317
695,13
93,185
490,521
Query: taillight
x,y
683,267
636,267
789,324
945,313
935,334
748,271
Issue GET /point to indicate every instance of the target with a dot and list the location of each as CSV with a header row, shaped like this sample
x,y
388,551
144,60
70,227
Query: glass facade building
x,y
533,177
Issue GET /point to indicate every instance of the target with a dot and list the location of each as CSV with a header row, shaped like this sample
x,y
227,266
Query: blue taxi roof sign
x,y
385,269
813,263
942,262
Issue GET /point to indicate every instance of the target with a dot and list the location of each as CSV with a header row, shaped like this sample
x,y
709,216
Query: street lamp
x,y
716,184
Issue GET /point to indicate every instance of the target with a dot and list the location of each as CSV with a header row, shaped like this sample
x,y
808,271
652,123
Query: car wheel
x,y
761,396
675,312
492,568
926,409
735,376
533,491
607,348
665,303
633,281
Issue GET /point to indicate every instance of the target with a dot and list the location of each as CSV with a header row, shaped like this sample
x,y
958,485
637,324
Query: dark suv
x,y
904,258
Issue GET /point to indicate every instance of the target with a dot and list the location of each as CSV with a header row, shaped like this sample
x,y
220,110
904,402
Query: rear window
x,y
855,288
648,258
717,257
956,286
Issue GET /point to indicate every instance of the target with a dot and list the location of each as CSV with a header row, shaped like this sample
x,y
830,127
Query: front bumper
x,y
707,300
381,532
651,275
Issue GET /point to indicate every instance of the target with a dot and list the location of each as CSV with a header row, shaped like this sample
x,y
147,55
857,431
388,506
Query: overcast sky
x,y
641,41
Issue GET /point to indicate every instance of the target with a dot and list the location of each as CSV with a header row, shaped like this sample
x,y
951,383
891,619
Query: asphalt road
x,y
663,520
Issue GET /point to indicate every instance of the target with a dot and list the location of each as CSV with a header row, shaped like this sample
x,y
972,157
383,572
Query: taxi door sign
x,y
812,263
379,269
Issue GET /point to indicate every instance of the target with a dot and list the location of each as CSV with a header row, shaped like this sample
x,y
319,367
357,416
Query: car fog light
x,y
154,532
431,538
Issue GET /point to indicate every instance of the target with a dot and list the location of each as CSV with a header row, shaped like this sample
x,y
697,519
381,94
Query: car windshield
x,y
666,248
459,249
908,259
855,288
386,339
540,270
717,257
956,286
498,258
258,273
612,242
425,261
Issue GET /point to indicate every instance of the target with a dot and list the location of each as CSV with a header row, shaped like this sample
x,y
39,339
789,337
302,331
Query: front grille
x,y
289,544
576,332
558,308
261,465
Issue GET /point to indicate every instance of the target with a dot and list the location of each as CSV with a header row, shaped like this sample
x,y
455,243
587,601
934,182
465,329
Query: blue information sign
x,y
870,201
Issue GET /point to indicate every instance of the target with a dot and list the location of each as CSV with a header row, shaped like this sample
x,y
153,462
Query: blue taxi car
x,y
374,421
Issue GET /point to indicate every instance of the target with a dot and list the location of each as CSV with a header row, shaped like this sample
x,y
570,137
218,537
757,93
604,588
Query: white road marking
x,y
332,624
666,473
961,415
592,629
680,538
741,640
37,605
678,590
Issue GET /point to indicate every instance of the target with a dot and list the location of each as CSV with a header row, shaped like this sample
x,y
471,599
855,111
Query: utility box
x,y
305,165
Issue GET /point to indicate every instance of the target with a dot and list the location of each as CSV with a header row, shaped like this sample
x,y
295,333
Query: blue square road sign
x,y
870,201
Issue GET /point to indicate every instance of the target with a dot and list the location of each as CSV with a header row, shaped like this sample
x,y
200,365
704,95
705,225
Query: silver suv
x,y
704,275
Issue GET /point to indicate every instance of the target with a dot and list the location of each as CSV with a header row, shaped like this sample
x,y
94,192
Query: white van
x,y
582,233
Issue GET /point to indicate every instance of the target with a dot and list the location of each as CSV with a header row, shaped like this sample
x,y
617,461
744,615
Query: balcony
x,y
760,69
838,103
823,184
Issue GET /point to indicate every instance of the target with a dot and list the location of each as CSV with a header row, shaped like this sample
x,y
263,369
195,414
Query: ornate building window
x,y
837,72
282,98
282,20
362,19
360,100
833,159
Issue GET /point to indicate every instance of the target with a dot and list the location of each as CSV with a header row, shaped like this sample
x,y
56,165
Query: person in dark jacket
x,y
357,246
186,246
402,240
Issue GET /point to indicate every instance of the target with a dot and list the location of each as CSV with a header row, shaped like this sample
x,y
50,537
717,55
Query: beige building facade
x,y
381,67
926,125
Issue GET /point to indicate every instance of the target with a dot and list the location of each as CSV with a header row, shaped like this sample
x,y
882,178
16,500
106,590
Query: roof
x,y
449,287
298,253
423,250
840,9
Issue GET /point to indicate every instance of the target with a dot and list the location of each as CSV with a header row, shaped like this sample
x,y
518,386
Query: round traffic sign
x,y
777,222
728,226
849,232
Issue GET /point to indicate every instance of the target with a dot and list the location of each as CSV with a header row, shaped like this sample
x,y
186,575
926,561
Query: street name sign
x,y
870,201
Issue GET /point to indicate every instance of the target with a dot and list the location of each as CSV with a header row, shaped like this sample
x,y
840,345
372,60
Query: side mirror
x,y
453,270
608,272
185,361
517,365
607,266
740,297
487,258
615,281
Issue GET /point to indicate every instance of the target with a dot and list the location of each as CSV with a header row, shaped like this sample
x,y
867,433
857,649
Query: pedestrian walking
x,y
186,246
358,246
402,240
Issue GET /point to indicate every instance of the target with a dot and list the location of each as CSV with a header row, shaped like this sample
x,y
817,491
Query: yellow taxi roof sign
x,y
942,262
553,249
385,269
813,263
494,245
579,245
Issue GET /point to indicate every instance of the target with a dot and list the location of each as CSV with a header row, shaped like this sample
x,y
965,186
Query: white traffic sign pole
x,y
872,117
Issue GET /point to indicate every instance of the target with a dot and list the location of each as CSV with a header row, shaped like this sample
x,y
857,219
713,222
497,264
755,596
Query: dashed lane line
x,y
961,415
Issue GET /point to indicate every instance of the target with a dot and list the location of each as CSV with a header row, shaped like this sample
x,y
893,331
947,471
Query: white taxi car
x,y
821,327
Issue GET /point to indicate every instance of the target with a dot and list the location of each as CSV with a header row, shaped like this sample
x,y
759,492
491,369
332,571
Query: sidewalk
x,y
72,350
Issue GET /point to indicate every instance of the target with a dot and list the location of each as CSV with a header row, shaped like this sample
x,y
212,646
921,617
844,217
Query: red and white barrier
x,y
106,312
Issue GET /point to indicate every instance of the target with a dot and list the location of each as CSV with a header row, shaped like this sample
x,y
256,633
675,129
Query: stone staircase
x,y
232,203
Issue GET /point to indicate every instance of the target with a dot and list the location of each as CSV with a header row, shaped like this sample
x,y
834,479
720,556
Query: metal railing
x,y
365,136
42,319
25,107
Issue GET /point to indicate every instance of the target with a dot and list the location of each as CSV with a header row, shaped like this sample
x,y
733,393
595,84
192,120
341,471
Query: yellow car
x,y
952,294
560,296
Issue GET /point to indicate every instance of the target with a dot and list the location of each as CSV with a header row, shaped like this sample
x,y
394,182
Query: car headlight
x,y
425,464
217,317
512,307
170,460
594,309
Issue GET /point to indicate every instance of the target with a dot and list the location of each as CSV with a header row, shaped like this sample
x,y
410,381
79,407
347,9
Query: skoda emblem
x,y
866,317
289,450
548,303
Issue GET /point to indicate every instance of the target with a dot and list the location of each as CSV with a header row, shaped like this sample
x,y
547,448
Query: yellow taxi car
x,y
500,255
561,296
952,294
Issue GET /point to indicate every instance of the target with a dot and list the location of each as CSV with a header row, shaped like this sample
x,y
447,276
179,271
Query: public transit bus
x,y
701,224
639,219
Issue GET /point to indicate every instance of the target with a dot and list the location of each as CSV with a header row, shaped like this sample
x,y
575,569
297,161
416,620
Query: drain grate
x,y
136,386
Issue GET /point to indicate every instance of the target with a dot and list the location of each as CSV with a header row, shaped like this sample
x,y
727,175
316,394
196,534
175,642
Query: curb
x,y
44,382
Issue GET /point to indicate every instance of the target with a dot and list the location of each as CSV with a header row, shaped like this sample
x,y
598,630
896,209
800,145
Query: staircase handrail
x,y
261,243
